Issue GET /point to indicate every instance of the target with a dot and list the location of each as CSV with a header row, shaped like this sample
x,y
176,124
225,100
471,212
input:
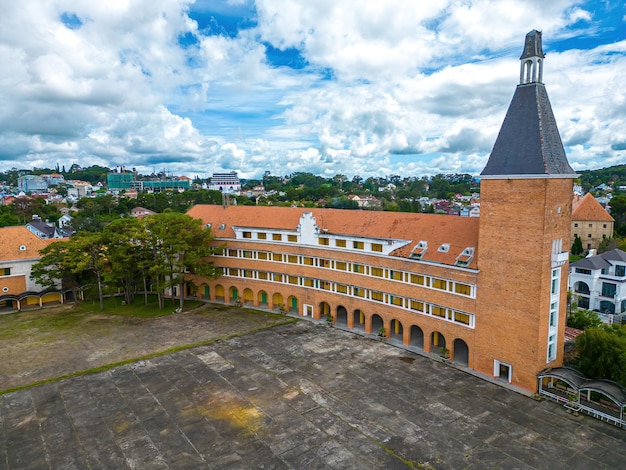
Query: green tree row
x,y
96,212
440,186
155,253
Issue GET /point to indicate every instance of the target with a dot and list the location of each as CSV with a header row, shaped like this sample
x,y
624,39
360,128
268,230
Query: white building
x,y
600,282
225,182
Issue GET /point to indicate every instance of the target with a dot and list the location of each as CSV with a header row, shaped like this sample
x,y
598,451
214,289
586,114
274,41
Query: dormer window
x,y
419,250
444,248
465,257
222,226
22,247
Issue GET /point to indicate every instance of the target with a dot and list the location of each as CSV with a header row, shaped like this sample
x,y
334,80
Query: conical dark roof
x,y
529,142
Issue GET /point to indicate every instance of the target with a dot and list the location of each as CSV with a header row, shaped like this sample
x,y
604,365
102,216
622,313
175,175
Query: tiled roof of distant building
x,y
588,208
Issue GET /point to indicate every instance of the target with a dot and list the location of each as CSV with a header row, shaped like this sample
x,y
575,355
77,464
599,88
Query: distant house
x,y
590,222
257,191
140,212
365,201
470,211
446,207
65,220
6,200
44,230
64,226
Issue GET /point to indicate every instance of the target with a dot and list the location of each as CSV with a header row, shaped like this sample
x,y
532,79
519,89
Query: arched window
x,y
581,288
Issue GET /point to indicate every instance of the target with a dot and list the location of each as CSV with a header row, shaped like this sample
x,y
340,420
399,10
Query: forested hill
x,y
616,175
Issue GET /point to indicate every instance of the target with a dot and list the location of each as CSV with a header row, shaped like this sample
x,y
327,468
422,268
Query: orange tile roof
x,y
571,333
435,229
12,238
588,208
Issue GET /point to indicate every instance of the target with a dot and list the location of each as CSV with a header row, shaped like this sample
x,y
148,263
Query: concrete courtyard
x,y
301,396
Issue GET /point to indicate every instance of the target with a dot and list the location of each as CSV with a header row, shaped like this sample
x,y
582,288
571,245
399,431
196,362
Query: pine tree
x,y
577,246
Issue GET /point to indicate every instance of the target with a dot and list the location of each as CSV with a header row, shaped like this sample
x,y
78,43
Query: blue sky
x,y
328,87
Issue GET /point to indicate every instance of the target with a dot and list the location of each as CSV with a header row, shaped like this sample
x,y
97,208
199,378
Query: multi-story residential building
x,y
29,183
590,222
127,181
487,292
225,182
54,179
19,250
599,282
117,181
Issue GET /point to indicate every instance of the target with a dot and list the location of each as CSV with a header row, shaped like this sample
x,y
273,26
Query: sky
x,y
368,88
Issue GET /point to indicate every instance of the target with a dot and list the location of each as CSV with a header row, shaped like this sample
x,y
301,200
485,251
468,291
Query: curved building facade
x,y
488,292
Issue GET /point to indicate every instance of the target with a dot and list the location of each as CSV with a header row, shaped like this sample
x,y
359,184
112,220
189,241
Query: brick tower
x,y
525,214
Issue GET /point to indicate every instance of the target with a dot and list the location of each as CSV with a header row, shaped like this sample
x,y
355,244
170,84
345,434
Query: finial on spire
x,y
531,67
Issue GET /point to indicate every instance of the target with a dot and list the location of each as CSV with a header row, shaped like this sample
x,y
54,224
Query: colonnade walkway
x,y
296,396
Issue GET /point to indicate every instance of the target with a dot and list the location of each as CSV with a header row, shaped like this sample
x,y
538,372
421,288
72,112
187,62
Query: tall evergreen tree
x,y
577,246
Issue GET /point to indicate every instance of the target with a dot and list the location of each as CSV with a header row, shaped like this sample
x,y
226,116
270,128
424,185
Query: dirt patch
x,y
43,344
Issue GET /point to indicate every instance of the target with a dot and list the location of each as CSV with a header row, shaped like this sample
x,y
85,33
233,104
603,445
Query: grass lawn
x,y
58,342
117,306
40,321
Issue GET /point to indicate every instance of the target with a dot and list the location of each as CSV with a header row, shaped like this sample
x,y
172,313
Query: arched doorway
x,y
52,298
341,317
358,318
262,298
417,337
278,301
8,303
324,310
205,291
438,344
397,331
377,325
292,303
248,297
233,293
460,352
219,293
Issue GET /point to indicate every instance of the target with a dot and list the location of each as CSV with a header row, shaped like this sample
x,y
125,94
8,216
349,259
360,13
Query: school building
x,y
488,292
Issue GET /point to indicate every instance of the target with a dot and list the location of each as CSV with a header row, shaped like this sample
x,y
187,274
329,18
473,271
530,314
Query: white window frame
x,y
496,369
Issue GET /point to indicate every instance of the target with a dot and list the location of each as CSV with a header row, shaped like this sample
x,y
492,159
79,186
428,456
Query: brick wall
x,y
519,220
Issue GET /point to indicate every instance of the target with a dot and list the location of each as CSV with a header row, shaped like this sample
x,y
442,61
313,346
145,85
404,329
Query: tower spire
x,y
529,144
531,66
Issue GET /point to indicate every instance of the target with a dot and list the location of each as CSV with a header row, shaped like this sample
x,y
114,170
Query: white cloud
x,y
399,86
